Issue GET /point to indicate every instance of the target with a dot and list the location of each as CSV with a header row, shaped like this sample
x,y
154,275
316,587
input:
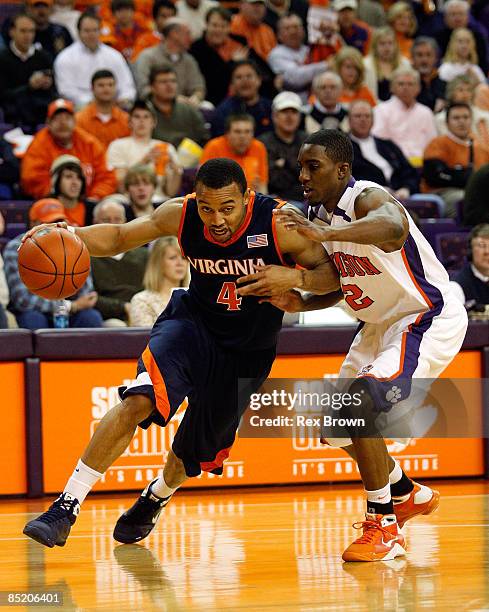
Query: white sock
x,y
81,481
161,489
379,496
396,474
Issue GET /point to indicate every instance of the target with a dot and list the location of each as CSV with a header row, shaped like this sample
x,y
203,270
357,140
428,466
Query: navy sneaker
x,y
138,522
53,526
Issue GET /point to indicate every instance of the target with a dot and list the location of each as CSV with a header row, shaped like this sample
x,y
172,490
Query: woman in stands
x,y
461,57
402,20
348,63
165,270
384,57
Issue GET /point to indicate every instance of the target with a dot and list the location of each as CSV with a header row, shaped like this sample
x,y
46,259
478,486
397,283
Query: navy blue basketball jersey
x,y
239,323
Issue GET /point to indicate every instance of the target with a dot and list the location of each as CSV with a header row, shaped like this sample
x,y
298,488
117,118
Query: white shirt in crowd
x,y
195,18
67,17
449,70
75,65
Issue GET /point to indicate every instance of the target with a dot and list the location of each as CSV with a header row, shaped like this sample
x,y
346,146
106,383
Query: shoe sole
x,y
430,508
396,551
36,534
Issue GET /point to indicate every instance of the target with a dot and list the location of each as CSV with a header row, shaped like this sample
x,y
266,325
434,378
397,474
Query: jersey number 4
x,y
229,296
353,297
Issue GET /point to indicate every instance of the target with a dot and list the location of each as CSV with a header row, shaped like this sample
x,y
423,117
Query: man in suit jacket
x,y
376,159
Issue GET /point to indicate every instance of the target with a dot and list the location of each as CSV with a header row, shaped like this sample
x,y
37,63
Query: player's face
x,y
320,176
222,210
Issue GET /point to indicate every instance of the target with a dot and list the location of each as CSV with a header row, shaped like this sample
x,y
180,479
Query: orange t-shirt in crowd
x,y
76,215
362,93
405,44
124,39
254,162
260,38
117,126
43,150
319,52
144,9
145,41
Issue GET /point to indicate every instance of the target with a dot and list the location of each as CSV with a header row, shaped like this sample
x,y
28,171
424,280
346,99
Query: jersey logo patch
x,y
259,240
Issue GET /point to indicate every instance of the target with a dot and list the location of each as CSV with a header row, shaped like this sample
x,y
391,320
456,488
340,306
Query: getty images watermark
x,y
365,407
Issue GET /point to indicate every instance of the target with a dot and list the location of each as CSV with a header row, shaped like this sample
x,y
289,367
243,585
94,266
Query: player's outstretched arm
x,y
106,239
380,221
293,301
318,274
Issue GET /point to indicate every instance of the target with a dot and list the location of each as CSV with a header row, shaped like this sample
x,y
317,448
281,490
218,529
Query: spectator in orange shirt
x,y
239,144
402,20
68,187
249,23
59,137
102,118
162,11
349,65
125,27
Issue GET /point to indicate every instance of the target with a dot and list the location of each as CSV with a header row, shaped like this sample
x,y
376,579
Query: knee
x,y
135,408
90,317
32,319
360,414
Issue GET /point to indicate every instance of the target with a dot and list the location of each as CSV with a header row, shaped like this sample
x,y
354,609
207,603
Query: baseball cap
x,y
60,105
61,161
339,5
47,210
286,99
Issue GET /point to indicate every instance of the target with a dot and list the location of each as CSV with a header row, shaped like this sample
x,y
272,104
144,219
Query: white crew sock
x,y
81,481
379,496
396,474
161,489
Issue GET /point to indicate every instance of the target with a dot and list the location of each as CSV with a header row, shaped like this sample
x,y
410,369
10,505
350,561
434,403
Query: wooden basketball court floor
x,y
255,549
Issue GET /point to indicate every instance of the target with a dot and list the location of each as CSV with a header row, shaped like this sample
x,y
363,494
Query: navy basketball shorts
x,y
183,360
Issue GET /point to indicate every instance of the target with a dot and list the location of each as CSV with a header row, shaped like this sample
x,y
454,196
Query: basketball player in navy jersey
x,y
206,339
412,324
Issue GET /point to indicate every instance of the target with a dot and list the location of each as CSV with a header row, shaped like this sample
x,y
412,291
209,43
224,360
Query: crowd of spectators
x,y
108,107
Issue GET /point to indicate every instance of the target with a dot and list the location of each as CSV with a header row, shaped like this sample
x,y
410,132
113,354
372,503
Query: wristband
x,y
71,229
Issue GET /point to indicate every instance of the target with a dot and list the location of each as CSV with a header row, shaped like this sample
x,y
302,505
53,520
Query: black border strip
x,y
33,428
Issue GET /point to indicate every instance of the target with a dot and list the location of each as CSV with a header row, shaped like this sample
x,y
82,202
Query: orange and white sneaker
x,y
381,540
422,500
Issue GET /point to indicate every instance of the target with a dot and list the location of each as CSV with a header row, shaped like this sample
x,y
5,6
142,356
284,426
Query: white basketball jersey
x,y
379,286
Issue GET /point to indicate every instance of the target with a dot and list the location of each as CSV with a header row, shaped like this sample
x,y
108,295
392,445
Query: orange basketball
x,y
54,263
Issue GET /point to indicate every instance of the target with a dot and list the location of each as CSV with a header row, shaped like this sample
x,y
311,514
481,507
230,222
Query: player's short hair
x,y
221,172
102,74
336,143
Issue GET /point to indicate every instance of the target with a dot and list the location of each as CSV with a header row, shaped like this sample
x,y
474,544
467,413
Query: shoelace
x,y
369,528
55,513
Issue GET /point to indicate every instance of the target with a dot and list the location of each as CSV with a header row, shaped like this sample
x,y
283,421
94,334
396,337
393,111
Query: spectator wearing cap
x,y
62,137
193,13
283,144
162,11
75,66
173,51
68,186
53,38
250,24
116,279
326,112
245,98
239,144
377,159
472,282
65,15
32,311
26,80
140,148
289,58
175,120
140,185
102,118
354,32
216,52
124,28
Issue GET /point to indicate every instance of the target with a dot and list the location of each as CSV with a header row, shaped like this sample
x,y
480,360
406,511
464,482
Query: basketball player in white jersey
x,y
412,326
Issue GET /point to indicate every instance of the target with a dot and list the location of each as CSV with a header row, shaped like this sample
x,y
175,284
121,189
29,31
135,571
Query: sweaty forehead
x,y
217,197
313,152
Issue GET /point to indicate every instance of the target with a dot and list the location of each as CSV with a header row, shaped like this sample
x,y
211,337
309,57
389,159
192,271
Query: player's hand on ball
x,y
291,301
292,220
269,280
40,228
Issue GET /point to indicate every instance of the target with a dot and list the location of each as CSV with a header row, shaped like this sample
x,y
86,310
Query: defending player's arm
x,y
318,274
106,239
380,221
293,301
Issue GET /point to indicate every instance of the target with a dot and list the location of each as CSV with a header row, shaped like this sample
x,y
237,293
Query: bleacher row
x,y
446,237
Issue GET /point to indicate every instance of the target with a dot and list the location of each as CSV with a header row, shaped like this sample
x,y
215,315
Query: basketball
x,y
54,263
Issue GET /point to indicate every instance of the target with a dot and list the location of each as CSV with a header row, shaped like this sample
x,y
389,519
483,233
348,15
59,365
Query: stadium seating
x,y
431,227
451,249
426,205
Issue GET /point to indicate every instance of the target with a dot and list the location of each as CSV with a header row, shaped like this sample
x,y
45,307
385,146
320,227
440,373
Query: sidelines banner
x,y
13,447
76,395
